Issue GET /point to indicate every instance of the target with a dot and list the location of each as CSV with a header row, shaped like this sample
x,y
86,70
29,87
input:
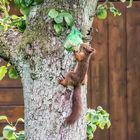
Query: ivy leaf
x,y
58,28
88,117
53,13
20,120
38,1
108,124
130,3
89,129
114,11
17,3
3,71
8,64
59,18
96,118
69,50
25,10
21,25
27,3
21,135
14,17
3,118
102,12
68,18
13,73
9,132
1,28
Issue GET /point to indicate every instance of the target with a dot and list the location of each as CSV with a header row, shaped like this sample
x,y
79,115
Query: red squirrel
x,y
76,78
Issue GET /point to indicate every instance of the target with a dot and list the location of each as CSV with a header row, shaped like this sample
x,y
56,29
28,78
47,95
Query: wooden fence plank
x,y
133,71
117,76
11,96
98,87
8,83
12,112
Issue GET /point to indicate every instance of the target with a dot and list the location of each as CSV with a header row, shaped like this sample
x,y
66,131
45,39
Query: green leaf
x,y
68,18
8,65
58,28
3,118
20,120
96,118
3,71
38,1
9,132
108,124
59,18
101,12
93,126
53,13
1,28
17,3
102,125
21,25
114,11
25,10
14,17
21,135
130,3
27,3
88,117
69,50
13,73
89,129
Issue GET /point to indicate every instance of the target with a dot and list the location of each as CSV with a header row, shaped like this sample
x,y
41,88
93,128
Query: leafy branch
x,y
9,131
8,69
96,119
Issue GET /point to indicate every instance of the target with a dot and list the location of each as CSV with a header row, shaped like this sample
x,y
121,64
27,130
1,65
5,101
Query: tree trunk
x,y
47,104
41,60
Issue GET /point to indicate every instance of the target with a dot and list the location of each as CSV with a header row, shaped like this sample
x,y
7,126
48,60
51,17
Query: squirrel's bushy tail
x,y
76,106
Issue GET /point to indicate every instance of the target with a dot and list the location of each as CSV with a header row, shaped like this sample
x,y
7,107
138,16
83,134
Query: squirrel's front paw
x,y
62,82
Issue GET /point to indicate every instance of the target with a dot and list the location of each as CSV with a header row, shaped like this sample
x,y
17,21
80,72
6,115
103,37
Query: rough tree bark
x,y
40,59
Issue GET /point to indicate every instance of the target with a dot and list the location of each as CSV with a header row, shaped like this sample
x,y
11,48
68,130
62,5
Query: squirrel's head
x,y
87,48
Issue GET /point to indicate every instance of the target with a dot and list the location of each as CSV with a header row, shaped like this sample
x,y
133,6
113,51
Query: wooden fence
x,y
114,77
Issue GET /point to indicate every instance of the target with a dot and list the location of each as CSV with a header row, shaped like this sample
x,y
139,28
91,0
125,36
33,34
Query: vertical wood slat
x,y
117,76
98,93
133,71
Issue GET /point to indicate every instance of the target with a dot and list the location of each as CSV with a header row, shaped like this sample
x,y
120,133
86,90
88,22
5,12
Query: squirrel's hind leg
x,y
84,82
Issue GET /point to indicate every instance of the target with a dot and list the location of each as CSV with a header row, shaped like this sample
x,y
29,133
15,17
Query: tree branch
x,y
89,9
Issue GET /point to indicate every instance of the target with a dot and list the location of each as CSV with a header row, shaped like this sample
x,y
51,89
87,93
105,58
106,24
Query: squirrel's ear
x,y
84,45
